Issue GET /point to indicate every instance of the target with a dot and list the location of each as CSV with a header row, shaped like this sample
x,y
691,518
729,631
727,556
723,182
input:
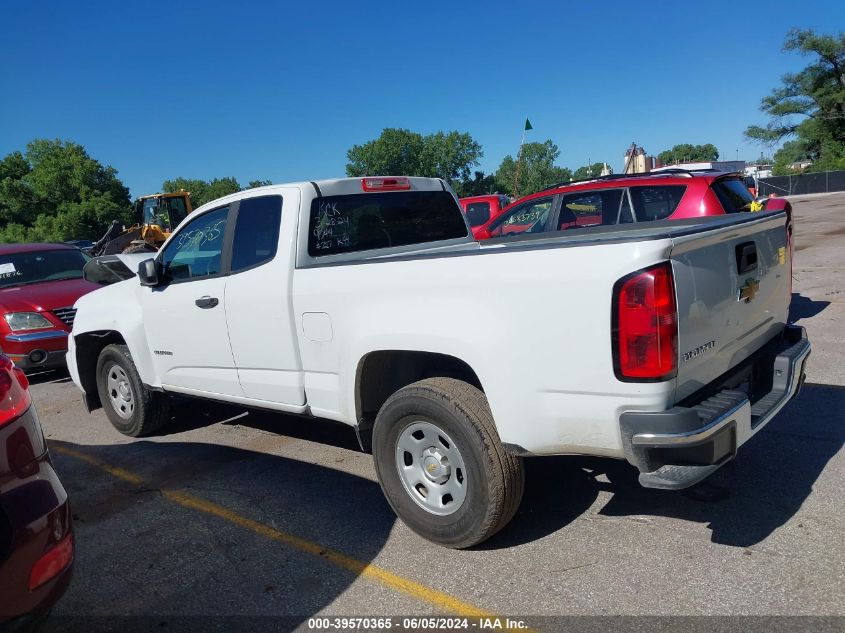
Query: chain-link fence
x,y
819,182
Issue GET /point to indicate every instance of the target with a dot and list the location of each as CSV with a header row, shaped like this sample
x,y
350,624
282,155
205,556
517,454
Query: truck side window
x,y
256,232
196,251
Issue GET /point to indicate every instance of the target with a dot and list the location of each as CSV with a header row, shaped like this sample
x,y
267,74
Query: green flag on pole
x,y
528,125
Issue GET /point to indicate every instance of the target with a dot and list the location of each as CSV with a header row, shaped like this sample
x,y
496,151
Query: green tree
x,y
809,106
479,185
54,191
537,169
258,183
588,171
687,153
202,191
400,152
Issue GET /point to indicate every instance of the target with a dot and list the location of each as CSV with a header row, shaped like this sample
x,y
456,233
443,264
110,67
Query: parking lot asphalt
x,y
249,513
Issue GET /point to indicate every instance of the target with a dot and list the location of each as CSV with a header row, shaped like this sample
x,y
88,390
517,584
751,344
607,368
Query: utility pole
x,y
630,158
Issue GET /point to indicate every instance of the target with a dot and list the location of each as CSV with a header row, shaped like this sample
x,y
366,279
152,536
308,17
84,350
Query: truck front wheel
x,y
441,464
131,408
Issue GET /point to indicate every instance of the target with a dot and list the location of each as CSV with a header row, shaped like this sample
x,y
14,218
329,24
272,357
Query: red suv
x,y
482,209
36,534
39,283
623,198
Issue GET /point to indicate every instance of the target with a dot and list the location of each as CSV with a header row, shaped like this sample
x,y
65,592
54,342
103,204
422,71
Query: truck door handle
x,y
207,302
746,257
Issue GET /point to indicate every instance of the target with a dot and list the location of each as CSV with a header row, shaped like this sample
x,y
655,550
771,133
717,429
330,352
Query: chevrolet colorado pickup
x,y
368,302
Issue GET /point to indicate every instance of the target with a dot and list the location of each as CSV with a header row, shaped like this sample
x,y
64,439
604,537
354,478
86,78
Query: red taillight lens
x,y
14,391
386,184
646,325
52,563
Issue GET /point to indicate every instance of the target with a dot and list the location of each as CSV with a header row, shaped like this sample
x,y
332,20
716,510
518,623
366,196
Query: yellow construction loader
x,y
158,215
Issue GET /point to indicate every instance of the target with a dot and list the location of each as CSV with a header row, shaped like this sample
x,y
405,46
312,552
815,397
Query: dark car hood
x,y
47,295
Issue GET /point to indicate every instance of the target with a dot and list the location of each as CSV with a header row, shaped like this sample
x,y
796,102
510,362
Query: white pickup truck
x,y
367,301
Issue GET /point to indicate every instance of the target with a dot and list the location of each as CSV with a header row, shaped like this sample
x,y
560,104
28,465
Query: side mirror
x,y
148,272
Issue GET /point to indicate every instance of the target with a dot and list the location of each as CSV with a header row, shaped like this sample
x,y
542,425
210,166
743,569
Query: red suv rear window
x,y
656,202
733,195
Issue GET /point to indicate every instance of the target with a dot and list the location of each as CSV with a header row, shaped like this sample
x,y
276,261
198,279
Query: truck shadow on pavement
x,y
247,552
193,413
803,307
742,503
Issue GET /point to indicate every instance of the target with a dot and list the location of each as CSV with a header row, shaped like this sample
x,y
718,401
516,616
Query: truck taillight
x,y
386,184
645,325
14,391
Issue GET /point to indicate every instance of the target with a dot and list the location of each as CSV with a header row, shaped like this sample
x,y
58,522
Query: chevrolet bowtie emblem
x,y
749,290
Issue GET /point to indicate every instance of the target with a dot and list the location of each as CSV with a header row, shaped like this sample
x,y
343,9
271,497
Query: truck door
x,y
185,316
262,330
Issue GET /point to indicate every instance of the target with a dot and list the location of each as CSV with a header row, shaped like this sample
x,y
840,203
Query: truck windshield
x,y
19,269
366,221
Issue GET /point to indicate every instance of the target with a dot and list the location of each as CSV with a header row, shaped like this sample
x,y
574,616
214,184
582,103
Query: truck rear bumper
x,y
677,448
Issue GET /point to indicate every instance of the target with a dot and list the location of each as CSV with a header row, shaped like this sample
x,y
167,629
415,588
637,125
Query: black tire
x,y
494,479
149,411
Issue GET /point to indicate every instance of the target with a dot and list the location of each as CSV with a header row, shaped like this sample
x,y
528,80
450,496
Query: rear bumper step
x,y
677,448
676,477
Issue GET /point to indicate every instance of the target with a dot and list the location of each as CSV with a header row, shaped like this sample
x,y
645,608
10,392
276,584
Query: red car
x,y
482,209
623,198
39,283
36,534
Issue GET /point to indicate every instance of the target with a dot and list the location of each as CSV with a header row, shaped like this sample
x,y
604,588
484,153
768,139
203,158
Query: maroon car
x,y
39,283
36,537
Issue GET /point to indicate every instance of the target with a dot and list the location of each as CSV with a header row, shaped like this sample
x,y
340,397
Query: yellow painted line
x,y
442,601
115,471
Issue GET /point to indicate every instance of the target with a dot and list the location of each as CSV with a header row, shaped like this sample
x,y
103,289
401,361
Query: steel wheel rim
x,y
431,468
121,395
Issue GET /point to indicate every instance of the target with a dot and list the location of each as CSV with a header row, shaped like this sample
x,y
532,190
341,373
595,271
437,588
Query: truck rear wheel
x,y
132,409
441,464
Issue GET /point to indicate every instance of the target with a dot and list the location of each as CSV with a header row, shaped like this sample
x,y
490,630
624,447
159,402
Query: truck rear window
x,y
366,221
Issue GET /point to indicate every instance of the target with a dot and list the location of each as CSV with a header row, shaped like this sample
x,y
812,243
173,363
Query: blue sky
x,y
280,91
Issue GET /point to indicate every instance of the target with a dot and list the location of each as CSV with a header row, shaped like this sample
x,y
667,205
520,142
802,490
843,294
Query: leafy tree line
x,y
203,191
55,191
452,156
808,110
686,153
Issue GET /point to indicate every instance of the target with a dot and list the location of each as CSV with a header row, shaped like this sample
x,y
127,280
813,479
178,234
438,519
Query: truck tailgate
x,y
733,292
